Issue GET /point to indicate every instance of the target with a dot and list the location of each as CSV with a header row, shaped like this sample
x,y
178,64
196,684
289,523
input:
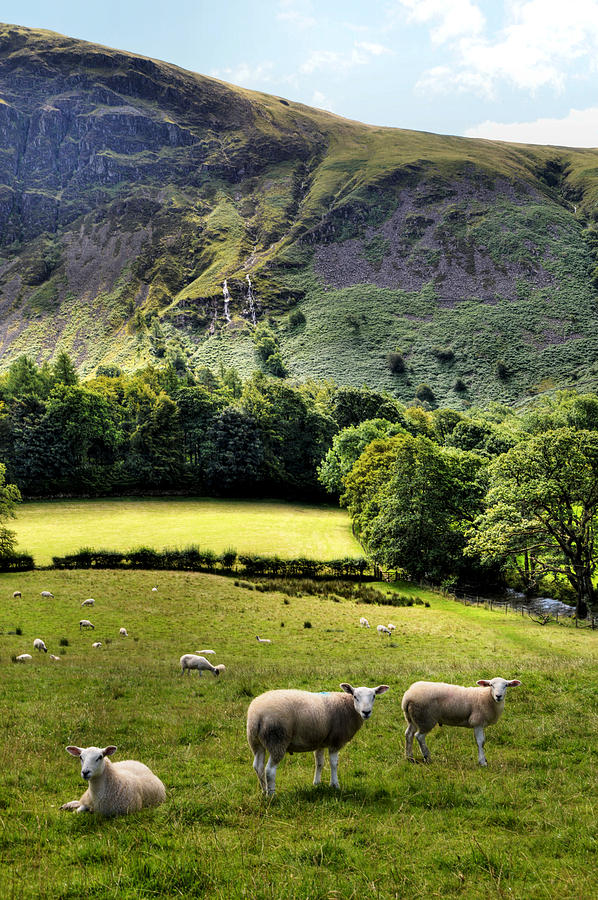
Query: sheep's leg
x,y
481,740
319,757
421,740
409,735
258,765
333,757
273,761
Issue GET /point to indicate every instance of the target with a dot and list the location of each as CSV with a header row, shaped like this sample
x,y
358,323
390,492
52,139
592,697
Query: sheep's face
x,y
92,759
363,698
499,687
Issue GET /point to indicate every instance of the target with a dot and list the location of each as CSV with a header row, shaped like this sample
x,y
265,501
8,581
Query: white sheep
x,y
123,632
89,602
293,721
382,629
23,657
96,645
203,652
39,645
429,703
191,661
54,658
364,622
85,623
17,594
47,594
263,640
391,627
114,788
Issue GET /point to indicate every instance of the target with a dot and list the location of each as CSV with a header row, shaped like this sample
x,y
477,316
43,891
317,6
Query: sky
x,y
515,70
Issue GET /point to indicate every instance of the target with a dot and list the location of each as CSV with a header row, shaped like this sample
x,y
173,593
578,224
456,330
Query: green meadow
x,y
524,827
270,527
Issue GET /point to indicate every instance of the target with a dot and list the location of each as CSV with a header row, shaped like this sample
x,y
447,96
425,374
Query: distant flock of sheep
x,y
290,721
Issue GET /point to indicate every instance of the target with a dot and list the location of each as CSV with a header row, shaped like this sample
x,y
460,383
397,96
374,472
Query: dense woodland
x,y
485,495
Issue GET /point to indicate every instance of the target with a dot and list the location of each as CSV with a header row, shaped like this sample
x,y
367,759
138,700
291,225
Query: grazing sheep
x,y
364,622
85,623
124,632
96,645
429,703
48,594
89,602
190,661
293,721
54,658
382,629
17,594
39,645
391,627
23,657
263,640
114,788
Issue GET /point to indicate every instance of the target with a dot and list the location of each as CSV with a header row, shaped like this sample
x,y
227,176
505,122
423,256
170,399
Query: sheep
x,y
364,622
263,640
382,629
54,658
96,645
39,645
429,703
294,721
203,652
23,657
154,589
123,632
190,661
89,602
114,788
391,627
17,594
85,623
48,594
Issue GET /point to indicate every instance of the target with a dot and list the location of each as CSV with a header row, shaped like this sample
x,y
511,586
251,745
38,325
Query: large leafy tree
x,y
542,510
9,496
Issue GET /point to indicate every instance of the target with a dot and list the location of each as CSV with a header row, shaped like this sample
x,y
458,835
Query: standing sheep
x,y
47,595
85,623
39,645
123,632
17,594
364,622
293,721
89,602
190,661
429,703
114,788
382,630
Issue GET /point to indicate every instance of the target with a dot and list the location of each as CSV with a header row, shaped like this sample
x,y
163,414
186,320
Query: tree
x,y
63,369
9,496
233,453
542,510
347,447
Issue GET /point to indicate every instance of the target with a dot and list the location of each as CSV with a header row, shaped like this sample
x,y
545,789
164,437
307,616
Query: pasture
x,y
525,827
269,527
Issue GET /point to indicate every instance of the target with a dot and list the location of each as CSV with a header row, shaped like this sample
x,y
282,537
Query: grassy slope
x,y
525,827
54,528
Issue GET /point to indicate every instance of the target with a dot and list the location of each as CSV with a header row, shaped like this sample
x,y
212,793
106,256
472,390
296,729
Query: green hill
x,y
131,189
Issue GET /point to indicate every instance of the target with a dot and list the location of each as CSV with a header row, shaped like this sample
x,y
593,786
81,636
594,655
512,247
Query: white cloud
x,y
360,54
539,43
245,74
577,129
295,13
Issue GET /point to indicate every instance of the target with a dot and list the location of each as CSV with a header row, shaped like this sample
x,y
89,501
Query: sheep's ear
x,y
347,688
381,689
108,751
483,682
513,683
74,751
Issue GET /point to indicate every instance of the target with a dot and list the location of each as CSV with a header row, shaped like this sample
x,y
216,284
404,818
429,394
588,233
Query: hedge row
x,y
18,562
198,560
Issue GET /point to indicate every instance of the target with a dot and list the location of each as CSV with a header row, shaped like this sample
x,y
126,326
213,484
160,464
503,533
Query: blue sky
x,y
522,70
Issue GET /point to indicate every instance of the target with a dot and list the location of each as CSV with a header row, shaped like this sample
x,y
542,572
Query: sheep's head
x,y
499,687
92,759
363,697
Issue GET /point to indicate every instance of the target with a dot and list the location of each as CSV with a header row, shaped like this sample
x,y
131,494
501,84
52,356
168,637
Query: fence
x,y
542,618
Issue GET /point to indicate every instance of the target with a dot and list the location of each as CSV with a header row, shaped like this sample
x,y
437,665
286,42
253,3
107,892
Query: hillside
x,y
131,189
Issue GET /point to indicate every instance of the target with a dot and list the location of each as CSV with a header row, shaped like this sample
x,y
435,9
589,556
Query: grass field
x,y
53,528
525,827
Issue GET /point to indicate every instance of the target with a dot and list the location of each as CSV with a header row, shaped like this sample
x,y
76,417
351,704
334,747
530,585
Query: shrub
x,y
63,642
425,392
395,362
444,354
307,624
460,387
502,370
296,319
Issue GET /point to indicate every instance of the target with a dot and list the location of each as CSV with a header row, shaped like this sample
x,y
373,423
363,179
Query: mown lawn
x,y
525,827
53,528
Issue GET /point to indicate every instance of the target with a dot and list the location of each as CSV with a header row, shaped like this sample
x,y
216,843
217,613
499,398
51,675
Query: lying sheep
x,y
23,657
429,703
47,594
123,632
96,645
382,629
85,623
263,640
364,622
89,602
190,661
203,652
293,721
17,594
39,645
114,788
54,658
